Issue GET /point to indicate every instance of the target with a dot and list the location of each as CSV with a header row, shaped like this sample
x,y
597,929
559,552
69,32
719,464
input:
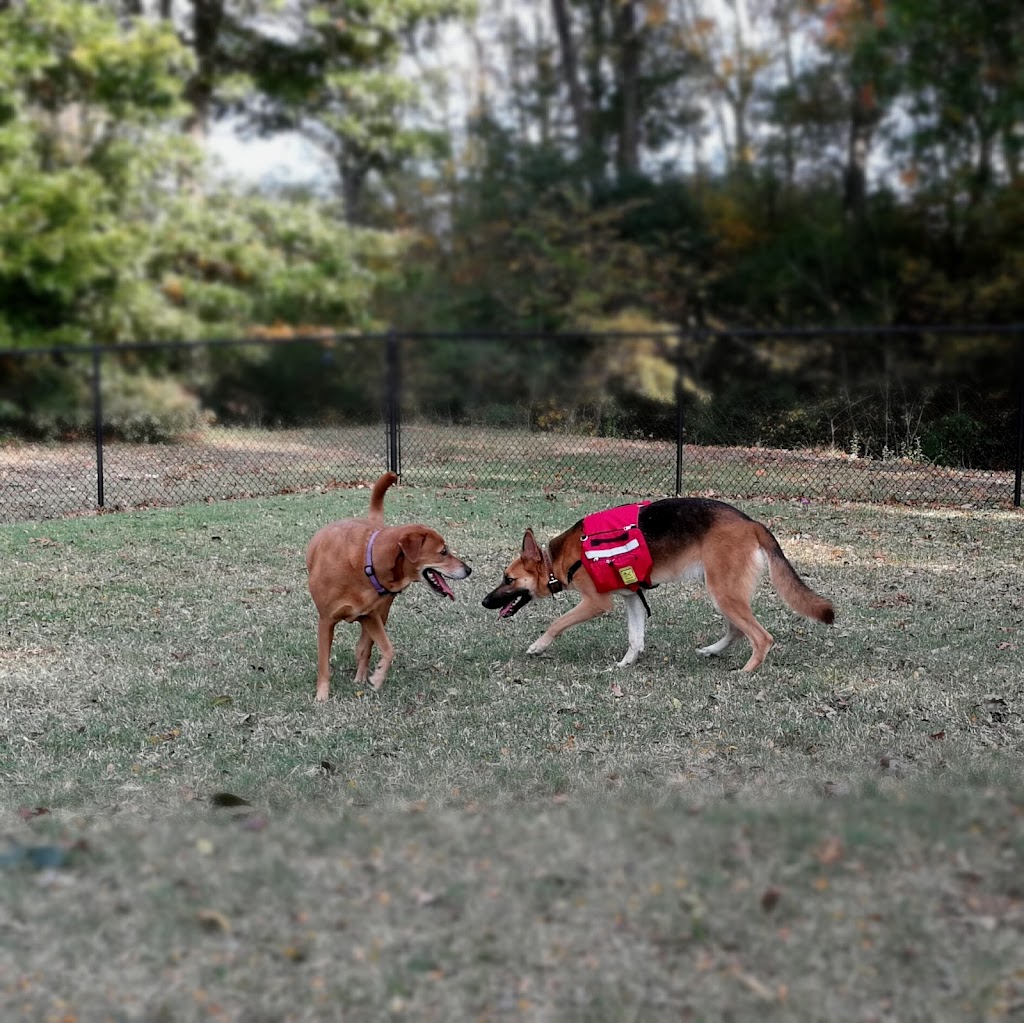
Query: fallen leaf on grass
x,y
169,736
228,799
759,987
941,734
770,898
617,690
829,851
213,920
26,813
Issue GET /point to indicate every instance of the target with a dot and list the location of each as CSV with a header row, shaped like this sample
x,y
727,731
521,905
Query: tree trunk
x,y
207,18
785,22
863,118
628,158
570,70
352,174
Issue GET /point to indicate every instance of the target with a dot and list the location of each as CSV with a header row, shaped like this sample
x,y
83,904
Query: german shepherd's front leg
x,y
591,606
636,621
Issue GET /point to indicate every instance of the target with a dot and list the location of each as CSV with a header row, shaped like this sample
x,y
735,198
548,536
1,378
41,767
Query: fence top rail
x,y
700,333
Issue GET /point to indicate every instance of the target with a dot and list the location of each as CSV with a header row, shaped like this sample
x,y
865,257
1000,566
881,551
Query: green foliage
x,y
141,408
45,398
952,440
79,128
48,398
290,384
106,231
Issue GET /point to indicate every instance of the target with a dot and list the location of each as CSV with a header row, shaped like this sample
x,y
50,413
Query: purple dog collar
x,y
368,569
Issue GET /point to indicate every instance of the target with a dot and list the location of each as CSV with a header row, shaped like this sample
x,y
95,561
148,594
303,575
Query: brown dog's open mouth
x,y
437,583
509,609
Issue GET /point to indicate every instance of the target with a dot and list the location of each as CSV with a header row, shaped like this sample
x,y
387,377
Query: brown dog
x,y
356,569
688,538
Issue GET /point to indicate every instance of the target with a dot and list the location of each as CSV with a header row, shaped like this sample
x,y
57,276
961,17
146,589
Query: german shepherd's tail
x,y
793,590
380,488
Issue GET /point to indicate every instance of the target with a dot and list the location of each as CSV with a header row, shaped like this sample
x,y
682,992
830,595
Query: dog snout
x,y
461,571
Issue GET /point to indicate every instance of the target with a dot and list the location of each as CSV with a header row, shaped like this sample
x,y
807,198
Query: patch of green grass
x,y
493,836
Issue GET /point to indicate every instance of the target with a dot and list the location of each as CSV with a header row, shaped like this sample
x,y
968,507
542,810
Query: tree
x,y
99,238
85,159
333,72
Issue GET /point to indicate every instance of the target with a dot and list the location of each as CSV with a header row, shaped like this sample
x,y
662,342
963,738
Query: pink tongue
x,y
446,589
507,609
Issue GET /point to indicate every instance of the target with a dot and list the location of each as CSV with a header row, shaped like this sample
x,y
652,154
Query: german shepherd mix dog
x,y
688,538
356,569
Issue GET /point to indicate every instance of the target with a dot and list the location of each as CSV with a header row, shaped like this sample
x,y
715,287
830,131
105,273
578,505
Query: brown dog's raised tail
x,y
793,590
380,488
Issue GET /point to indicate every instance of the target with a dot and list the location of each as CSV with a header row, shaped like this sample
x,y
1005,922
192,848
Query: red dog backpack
x,y
614,550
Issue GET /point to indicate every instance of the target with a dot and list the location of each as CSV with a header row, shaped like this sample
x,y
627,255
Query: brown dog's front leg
x,y
324,638
591,606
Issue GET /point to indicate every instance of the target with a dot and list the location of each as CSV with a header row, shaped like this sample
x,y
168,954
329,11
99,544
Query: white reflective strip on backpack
x,y
612,551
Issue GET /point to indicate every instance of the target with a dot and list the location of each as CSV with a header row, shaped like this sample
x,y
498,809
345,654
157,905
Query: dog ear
x,y
411,545
531,552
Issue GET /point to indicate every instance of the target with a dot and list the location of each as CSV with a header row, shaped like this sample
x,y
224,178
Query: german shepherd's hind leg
x,y
636,621
591,606
731,585
731,635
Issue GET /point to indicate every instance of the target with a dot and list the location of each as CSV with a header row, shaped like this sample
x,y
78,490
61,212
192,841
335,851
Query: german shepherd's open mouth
x,y
509,601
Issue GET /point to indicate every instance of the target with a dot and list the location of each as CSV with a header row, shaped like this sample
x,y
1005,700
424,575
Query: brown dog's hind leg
x,y
324,639
364,648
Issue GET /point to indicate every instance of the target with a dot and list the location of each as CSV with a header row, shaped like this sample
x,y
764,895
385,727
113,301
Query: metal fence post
x,y
97,405
680,426
393,401
1019,465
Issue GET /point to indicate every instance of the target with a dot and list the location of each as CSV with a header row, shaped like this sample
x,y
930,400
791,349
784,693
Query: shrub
x,y
141,408
952,440
52,399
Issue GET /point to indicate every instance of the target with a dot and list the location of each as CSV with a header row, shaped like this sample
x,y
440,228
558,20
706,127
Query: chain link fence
x,y
902,415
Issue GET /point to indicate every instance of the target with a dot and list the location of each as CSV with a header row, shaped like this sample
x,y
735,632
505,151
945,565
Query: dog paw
x,y
536,649
706,651
630,658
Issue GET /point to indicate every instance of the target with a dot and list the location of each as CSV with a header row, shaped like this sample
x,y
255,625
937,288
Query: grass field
x,y
837,837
